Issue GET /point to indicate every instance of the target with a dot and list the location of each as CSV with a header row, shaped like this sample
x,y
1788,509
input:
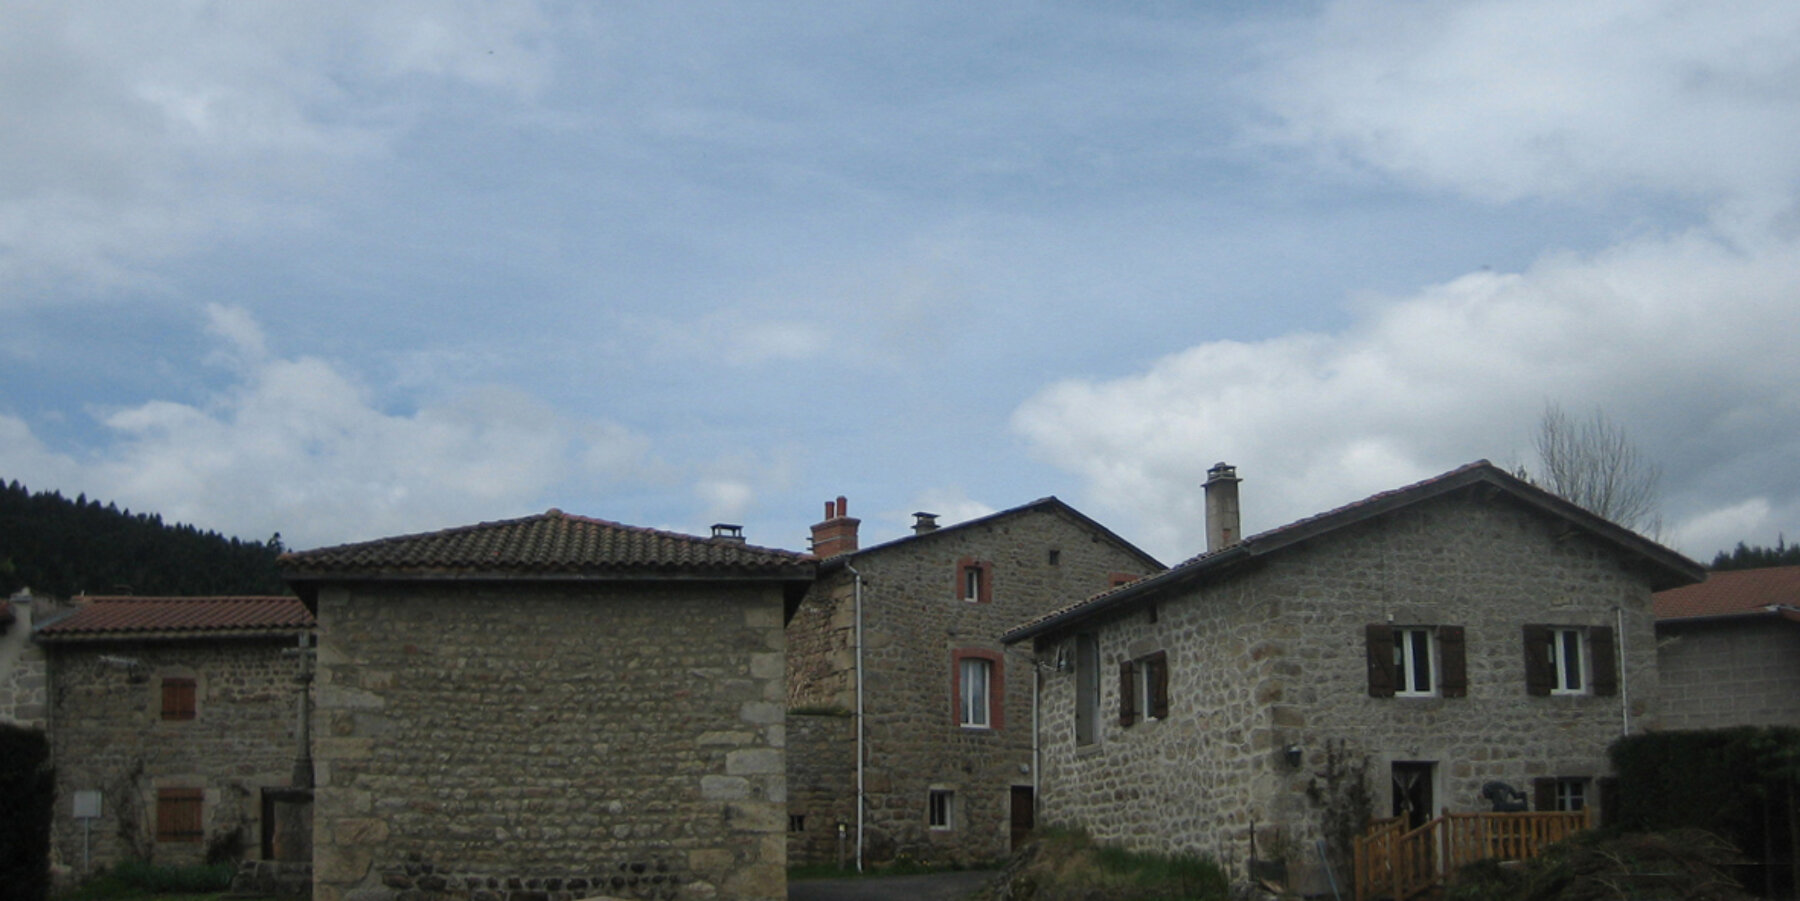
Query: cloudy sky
x,y
346,270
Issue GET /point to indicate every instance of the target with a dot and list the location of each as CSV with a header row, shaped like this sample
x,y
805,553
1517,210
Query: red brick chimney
x,y
837,534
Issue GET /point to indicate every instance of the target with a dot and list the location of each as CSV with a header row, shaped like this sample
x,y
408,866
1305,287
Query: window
x,y
1144,688
1560,793
1114,580
1570,660
796,822
1571,663
1087,688
974,581
178,699
1416,661
1415,668
178,815
1055,557
976,678
941,809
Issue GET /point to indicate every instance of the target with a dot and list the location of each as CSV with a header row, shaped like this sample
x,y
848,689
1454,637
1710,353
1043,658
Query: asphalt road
x,y
935,887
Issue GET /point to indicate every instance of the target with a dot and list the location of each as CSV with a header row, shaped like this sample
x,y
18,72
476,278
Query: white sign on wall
x,y
87,805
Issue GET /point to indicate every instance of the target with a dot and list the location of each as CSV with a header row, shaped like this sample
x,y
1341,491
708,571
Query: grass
x,y
1065,864
135,880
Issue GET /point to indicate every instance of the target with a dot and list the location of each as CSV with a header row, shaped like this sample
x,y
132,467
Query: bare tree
x,y
1593,463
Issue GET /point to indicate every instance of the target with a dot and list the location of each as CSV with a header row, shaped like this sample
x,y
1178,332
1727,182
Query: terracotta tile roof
x,y
1737,592
1051,504
553,544
1667,567
176,617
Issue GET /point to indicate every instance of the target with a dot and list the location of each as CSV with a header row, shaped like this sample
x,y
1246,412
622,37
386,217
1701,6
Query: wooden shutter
x,y
1540,673
1159,685
1543,794
1453,664
1380,641
1127,694
1605,661
178,815
177,699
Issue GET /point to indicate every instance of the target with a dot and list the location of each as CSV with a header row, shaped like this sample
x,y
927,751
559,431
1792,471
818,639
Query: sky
x,y
346,270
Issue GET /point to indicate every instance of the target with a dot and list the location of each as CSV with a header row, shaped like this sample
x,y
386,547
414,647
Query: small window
x,y
1087,688
1114,580
975,681
974,581
1415,667
1055,557
178,699
942,809
1416,661
1144,689
1562,793
178,815
976,674
796,822
1569,657
1570,660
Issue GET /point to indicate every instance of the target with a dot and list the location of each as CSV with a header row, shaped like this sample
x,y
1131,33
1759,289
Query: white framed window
x,y
1569,659
976,684
1415,665
1087,688
1571,794
941,809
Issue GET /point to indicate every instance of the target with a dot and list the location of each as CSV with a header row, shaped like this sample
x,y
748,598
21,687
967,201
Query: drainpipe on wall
x,y
1624,681
857,605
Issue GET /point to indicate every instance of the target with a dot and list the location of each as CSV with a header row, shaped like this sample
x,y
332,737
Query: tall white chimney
x,y
1222,528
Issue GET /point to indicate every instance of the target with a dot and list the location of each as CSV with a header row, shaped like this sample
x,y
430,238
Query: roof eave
x,y
117,635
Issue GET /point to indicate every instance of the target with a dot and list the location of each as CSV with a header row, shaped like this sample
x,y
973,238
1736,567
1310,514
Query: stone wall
x,y
108,735
914,621
24,685
1730,672
1275,656
821,788
545,741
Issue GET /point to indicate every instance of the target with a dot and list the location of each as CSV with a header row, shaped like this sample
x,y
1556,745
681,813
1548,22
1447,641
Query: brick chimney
x,y
1222,529
837,534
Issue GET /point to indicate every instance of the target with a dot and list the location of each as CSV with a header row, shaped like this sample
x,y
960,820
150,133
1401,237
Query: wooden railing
x,y
1399,863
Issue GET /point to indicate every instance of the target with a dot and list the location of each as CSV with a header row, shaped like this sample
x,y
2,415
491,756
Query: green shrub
x,y
168,878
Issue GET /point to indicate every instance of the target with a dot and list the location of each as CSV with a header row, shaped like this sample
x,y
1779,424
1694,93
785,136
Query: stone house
x,y
548,708
24,677
947,769
171,720
1728,650
1389,657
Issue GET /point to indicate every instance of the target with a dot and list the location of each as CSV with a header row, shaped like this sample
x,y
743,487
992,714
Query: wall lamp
x,y
1292,754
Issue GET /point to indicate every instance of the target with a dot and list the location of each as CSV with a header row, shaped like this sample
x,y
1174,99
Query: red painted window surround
x,y
996,685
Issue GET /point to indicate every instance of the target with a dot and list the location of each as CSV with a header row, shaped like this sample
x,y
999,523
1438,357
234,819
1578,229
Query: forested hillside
x,y
1752,557
61,547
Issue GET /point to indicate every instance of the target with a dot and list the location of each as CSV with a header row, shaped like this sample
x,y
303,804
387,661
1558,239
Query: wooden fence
x,y
1399,863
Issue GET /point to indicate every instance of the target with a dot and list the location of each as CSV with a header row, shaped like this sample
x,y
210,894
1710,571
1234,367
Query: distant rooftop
x,y
112,618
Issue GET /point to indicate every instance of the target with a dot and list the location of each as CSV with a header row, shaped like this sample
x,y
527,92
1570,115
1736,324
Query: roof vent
x,y
924,522
725,531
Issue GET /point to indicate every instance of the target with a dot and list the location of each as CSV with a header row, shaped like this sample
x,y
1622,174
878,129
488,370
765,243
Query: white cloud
x,y
297,445
1683,340
134,133
1514,99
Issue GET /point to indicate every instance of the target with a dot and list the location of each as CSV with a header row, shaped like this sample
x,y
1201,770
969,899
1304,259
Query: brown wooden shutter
x,y
1380,641
1543,794
1453,664
1159,685
1127,694
1605,661
177,699
178,815
1540,673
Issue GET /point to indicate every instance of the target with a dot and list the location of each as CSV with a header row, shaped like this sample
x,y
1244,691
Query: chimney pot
x,y
924,522
1222,516
837,533
730,532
